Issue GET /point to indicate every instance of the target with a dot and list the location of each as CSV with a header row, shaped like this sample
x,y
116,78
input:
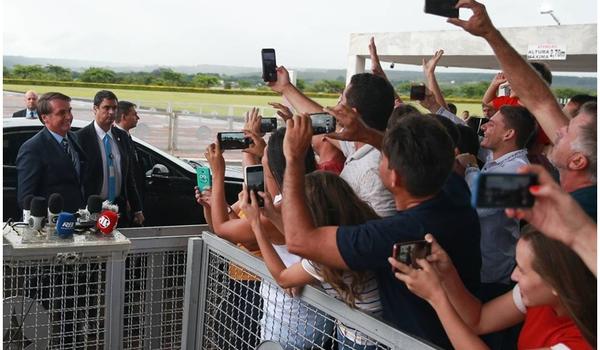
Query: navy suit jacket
x,y
92,182
19,114
44,168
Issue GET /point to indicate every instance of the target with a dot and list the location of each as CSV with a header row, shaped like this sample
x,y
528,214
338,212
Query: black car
x,y
169,183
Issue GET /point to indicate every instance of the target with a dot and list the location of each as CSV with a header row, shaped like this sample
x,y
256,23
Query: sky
x,y
305,33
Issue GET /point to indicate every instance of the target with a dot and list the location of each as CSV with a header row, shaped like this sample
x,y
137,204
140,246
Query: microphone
x,y
107,222
39,209
27,207
55,206
65,224
94,207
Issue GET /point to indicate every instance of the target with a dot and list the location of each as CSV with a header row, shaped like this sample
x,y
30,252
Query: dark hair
x,y
582,98
421,151
400,112
123,108
452,108
566,273
373,97
543,70
332,202
450,127
469,142
521,121
43,105
277,159
104,95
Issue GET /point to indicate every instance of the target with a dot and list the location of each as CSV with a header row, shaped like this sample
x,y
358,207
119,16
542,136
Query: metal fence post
x,y
115,286
171,140
191,297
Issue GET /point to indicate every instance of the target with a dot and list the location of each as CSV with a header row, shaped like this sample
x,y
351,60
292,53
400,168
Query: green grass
x,y
194,102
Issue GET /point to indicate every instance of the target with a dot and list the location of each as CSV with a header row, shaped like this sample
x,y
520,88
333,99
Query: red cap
x,y
107,222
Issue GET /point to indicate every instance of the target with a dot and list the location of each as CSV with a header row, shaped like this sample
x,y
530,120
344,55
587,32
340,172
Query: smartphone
x,y
444,8
497,190
408,252
417,92
268,64
322,123
254,177
204,178
268,125
233,140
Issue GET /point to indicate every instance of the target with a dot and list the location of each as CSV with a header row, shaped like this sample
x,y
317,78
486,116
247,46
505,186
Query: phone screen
x,y
233,140
255,181
268,124
417,92
203,178
408,252
269,65
504,190
322,123
444,8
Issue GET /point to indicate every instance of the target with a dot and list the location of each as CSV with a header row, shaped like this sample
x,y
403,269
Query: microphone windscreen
x,y
27,202
39,207
94,204
65,225
55,203
107,222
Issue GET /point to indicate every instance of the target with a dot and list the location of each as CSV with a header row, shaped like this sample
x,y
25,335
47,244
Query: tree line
x,y
169,77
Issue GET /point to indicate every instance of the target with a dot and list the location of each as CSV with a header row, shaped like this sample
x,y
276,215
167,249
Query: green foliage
x,y
301,84
205,81
29,72
562,92
328,86
98,75
6,73
59,73
403,88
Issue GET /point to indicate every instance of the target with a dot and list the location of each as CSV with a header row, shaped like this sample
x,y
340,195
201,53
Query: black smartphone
x,y
497,190
269,65
444,8
408,252
268,125
255,181
322,123
417,92
233,140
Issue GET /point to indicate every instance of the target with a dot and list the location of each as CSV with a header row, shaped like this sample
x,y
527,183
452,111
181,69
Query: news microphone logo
x,y
107,222
65,225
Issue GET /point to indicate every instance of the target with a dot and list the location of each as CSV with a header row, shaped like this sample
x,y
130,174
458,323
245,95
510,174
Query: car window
x,y
12,142
149,159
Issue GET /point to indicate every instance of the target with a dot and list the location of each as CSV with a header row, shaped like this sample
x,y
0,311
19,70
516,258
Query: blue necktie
x,y
70,153
31,115
111,169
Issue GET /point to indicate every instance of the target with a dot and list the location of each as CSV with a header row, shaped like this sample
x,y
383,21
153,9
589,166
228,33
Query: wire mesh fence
x,y
49,304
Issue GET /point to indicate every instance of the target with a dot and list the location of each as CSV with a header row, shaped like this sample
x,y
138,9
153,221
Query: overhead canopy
x,y
572,47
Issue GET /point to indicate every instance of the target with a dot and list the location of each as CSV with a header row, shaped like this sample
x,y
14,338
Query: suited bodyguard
x,y
52,161
30,111
109,169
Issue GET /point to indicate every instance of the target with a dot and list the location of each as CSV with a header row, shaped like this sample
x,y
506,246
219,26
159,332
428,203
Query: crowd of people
x,y
336,204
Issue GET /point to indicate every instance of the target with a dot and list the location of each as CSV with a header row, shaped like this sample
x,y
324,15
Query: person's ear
x,y
578,162
396,179
510,133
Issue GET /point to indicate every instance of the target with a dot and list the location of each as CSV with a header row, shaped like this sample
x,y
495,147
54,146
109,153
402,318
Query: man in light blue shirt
x,y
505,136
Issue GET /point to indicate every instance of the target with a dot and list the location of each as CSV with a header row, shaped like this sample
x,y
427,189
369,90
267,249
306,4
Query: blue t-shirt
x,y
453,222
586,197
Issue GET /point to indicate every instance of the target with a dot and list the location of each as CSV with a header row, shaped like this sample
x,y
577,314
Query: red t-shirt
x,y
514,101
333,166
543,328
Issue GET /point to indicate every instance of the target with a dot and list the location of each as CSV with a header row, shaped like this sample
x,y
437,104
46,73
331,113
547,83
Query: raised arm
x,y
432,84
376,66
492,91
301,235
533,92
300,102
354,128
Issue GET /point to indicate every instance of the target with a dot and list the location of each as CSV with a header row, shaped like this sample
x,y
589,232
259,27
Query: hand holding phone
x,y
444,8
233,140
255,181
204,178
408,252
322,123
268,125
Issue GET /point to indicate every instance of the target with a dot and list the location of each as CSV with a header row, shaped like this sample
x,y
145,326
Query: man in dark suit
x,y
30,112
127,119
109,163
52,161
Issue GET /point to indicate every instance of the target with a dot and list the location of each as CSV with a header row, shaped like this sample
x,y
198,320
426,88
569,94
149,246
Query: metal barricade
x,y
98,298
235,304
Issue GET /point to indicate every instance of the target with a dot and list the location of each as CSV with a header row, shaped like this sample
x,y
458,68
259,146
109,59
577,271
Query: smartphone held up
x,y
233,140
254,177
408,252
498,190
444,8
322,123
269,65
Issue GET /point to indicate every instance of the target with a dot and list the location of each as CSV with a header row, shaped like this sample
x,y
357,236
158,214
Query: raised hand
x,y
282,110
253,119
375,63
430,64
215,159
283,80
424,282
203,198
258,145
298,136
350,120
479,24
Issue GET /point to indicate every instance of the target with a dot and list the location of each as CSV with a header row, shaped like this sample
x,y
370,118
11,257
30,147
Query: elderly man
x,y
30,112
